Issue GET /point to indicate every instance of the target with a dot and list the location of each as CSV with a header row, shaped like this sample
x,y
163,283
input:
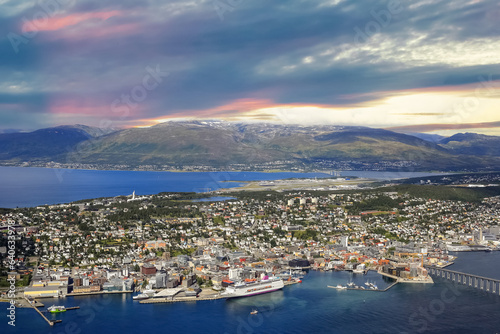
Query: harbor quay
x,y
202,296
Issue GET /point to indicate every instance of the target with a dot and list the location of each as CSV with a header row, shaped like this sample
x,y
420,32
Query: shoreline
x,y
223,170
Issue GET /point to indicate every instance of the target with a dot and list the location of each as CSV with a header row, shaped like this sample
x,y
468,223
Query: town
x,y
198,246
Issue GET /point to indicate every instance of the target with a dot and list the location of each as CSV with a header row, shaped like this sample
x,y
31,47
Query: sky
x,y
409,66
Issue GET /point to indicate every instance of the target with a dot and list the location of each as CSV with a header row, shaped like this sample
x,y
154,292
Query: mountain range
x,y
221,144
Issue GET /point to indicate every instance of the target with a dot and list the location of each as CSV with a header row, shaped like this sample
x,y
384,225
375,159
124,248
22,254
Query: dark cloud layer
x,y
294,52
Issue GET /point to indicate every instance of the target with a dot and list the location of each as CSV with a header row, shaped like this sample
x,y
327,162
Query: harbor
x,y
202,296
282,311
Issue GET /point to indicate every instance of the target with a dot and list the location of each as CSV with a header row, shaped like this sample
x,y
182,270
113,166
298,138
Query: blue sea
x,y
309,307
27,187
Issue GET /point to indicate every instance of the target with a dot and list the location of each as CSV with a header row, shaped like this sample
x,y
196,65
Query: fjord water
x,y
310,307
25,187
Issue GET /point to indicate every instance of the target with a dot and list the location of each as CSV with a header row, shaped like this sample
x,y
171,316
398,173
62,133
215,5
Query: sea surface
x,y
27,187
309,307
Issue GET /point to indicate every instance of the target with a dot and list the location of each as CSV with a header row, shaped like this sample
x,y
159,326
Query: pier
x,y
97,293
170,298
72,308
364,289
35,306
424,280
474,281
50,322
180,299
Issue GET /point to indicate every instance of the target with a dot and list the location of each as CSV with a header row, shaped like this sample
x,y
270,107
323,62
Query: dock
x,y
427,280
363,289
97,293
35,305
201,297
50,322
290,282
180,299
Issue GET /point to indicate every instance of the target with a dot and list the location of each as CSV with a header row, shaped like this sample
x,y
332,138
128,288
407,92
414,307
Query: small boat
x,y
254,312
341,287
56,309
141,296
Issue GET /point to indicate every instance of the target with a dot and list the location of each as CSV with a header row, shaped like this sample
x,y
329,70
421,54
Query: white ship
x,y
141,296
242,289
148,293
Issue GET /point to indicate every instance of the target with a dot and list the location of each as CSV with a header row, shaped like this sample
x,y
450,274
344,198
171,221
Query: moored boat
x,y
244,289
56,309
141,296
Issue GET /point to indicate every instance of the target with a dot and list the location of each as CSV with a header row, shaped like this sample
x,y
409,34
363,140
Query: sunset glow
x,y
136,66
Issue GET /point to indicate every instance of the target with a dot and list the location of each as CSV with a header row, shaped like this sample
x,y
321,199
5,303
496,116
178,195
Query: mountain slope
x,y
222,144
44,144
473,144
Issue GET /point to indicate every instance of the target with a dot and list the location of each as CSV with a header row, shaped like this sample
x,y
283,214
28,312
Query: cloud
x,y
437,127
299,61
62,22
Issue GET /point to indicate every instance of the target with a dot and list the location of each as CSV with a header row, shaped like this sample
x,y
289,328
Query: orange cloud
x,y
246,108
61,22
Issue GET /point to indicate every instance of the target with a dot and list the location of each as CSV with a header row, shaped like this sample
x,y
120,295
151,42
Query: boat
x,y
351,284
141,296
247,289
56,309
254,312
340,287
149,291
146,294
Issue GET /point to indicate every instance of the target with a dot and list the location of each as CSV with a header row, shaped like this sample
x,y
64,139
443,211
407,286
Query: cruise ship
x,y
242,289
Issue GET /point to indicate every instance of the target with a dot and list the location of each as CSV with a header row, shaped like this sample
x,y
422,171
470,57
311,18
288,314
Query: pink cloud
x,y
99,32
61,22
93,107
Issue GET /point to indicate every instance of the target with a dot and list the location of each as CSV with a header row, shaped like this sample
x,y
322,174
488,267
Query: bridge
x,y
478,282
